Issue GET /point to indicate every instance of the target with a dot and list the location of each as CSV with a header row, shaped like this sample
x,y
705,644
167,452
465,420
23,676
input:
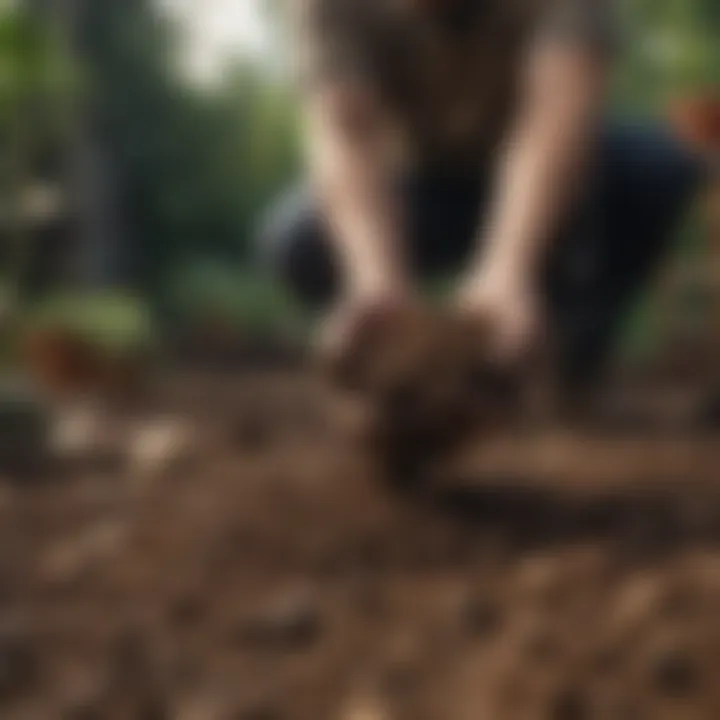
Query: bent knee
x,y
292,246
652,167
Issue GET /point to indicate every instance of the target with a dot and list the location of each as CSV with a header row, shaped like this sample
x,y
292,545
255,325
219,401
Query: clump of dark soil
x,y
431,381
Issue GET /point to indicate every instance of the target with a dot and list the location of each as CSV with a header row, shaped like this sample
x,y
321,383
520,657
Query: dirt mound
x,y
431,381
270,575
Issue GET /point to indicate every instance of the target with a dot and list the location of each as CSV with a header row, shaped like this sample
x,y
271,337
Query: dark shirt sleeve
x,y
592,23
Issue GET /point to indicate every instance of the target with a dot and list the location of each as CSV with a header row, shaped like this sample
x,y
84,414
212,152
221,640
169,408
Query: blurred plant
x,y
38,81
209,292
114,322
670,47
196,164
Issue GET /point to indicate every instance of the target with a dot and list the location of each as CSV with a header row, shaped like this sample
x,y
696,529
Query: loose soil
x,y
268,571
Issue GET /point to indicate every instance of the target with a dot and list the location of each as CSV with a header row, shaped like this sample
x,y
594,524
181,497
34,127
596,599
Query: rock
x,y
156,446
77,432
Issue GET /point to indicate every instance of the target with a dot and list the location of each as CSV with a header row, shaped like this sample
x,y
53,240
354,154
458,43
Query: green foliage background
x,y
196,166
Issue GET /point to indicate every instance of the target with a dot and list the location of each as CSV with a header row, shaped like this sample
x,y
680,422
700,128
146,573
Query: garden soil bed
x,y
267,573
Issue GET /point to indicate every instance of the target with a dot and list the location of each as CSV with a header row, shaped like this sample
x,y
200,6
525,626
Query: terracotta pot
x,y
59,360
64,363
696,119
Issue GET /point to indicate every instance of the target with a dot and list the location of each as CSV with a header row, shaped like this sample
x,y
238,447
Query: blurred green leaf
x,y
206,290
116,321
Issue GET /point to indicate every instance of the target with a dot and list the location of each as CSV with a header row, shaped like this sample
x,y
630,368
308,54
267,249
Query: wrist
x,y
373,284
504,270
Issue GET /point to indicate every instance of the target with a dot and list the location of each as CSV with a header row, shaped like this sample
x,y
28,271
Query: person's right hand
x,y
341,330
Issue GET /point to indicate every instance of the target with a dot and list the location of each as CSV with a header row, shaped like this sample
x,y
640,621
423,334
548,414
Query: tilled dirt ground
x,y
258,569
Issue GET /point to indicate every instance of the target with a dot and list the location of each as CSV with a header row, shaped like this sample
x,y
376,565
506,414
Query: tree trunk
x,y
94,258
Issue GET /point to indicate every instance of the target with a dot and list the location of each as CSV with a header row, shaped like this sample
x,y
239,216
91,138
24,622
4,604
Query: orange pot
x,y
696,119
59,360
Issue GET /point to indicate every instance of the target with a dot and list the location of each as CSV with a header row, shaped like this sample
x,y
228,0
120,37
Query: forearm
x,y
354,184
364,223
544,163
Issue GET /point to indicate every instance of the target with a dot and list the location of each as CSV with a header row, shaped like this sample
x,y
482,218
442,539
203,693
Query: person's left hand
x,y
510,308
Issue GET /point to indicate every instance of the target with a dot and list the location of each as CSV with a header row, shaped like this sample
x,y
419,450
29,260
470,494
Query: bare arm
x,y
349,158
543,162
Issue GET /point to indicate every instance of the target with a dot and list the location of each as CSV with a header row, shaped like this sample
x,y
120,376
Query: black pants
x,y
609,246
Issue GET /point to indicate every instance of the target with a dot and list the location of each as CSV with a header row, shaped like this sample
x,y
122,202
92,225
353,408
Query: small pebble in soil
x,y
78,431
158,445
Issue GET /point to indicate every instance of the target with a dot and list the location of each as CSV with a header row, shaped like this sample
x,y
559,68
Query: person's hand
x,y
339,331
357,329
509,308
